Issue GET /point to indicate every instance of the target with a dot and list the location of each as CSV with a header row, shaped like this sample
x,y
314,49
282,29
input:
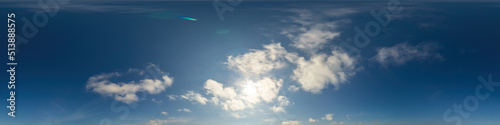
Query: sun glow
x,y
250,89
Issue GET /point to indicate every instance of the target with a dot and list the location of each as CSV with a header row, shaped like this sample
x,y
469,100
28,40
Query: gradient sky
x,y
264,63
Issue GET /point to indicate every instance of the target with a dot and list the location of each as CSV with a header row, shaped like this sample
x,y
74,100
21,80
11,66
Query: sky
x,y
387,62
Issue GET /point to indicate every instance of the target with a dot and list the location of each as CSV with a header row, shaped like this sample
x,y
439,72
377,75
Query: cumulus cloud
x,y
290,123
320,70
404,52
164,113
266,90
328,117
218,90
184,110
312,120
282,102
195,97
257,62
126,91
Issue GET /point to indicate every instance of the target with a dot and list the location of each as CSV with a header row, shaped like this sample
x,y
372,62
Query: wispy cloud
x,y
290,123
404,52
170,120
184,110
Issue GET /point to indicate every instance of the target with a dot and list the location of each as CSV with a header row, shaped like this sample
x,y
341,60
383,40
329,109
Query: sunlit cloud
x,y
126,91
194,97
328,117
311,120
321,70
290,123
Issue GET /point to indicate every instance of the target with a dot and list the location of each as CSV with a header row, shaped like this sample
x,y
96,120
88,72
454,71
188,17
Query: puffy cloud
x,y
282,102
164,113
266,89
233,105
217,89
170,120
184,110
259,62
196,97
126,92
290,123
403,52
312,120
320,70
328,117
277,109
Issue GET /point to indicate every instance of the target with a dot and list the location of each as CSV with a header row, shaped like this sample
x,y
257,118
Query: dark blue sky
x,y
279,63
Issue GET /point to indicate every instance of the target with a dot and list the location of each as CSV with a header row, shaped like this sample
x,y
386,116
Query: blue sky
x,y
264,63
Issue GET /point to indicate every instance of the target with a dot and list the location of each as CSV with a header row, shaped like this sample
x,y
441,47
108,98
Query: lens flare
x,y
188,18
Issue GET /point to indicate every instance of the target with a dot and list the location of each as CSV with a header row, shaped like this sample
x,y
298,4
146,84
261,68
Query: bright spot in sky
x,y
188,18
250,89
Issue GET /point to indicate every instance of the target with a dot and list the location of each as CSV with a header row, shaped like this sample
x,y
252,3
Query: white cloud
x,y
170,120
196,97
263,90
126,92
313,37
320,70
337,123
290,123
328,117
277,109
403,52
164,113
259,62
237,115
184,110
217,89
266,89
282,102
268,120
310,32
157,101
312,120
293,88
233,105
172,97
